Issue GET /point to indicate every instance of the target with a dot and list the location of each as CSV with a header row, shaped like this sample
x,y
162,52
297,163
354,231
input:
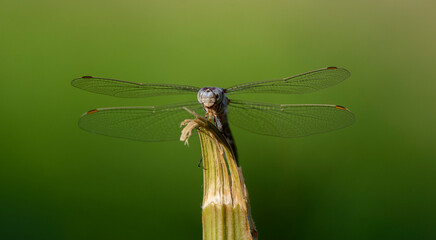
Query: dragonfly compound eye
x,y
218,97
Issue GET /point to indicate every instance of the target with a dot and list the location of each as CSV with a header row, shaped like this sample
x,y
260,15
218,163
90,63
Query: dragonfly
x,y
160,123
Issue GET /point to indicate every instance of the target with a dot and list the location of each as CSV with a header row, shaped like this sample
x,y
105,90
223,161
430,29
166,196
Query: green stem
x,y
226,211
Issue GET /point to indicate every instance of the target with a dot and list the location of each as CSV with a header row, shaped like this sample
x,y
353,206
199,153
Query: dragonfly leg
x,y
201,165
209,116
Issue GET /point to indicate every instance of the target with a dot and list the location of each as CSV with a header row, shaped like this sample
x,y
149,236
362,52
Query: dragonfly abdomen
x,y
223,125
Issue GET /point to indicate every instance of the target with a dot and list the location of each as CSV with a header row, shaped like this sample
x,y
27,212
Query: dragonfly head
x,y
208,96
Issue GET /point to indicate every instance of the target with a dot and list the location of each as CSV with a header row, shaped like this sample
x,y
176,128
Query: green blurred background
x,y
374,180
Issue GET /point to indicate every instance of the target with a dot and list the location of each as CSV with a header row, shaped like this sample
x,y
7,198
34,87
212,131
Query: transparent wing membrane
x,y
153,123
302,83
159,123
120,88
288,120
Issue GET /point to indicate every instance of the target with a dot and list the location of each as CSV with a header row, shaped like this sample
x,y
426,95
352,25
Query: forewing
x,y
153,123
125,89
288,120
302,83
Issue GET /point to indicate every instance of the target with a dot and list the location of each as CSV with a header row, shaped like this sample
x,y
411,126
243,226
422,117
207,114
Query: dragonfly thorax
x,y
209,96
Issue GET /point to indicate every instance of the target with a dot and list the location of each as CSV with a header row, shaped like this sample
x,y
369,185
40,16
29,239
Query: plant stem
x,y
226,211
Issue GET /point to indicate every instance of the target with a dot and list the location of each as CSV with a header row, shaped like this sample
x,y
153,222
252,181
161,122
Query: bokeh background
x,y
374,180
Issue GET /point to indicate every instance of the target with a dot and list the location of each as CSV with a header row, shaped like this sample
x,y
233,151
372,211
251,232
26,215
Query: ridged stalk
x,y
226,210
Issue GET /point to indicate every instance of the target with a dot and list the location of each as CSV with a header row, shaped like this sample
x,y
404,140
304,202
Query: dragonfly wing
x,y
153,123
288,120
120,88
302,83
